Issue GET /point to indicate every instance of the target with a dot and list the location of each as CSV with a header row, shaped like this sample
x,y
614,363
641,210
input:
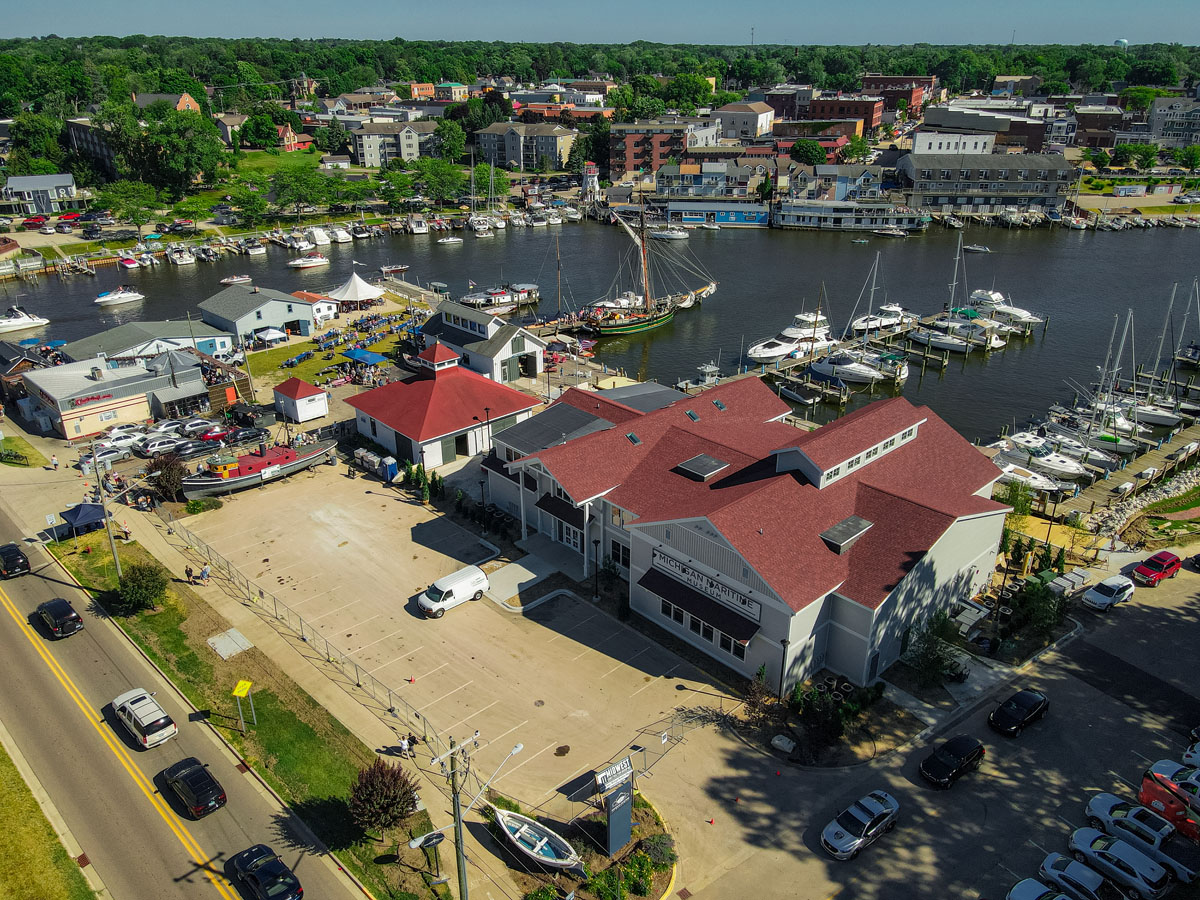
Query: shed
x,y
300,401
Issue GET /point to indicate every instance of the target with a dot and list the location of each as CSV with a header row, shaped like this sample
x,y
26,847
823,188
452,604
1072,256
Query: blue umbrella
x,y
56,344
29,342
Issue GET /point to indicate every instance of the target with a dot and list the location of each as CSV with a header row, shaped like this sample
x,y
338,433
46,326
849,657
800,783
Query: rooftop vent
x,y
97,373
633,438
841,537
702,467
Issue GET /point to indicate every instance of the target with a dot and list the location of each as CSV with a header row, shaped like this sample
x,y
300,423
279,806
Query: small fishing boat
x,y
977,248
129,262
123,294
237,279
393,268
16,319
670,233
225,473
309,261
451,239
710,226
536,841
860,241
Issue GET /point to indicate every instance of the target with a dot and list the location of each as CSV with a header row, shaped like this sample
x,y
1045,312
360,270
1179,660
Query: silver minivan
x,y
446,593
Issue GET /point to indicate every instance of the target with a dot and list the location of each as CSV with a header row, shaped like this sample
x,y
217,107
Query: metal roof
x,y
553,425
115,341
702,467
644,396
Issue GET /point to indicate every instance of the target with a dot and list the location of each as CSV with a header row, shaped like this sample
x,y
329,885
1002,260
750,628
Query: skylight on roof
x,y
702,467
633,438
719,405
691,414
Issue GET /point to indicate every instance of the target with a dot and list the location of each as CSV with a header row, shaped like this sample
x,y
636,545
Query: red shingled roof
x,y
841,439
440,403
774,520
594,403
437,353
296,389
311,297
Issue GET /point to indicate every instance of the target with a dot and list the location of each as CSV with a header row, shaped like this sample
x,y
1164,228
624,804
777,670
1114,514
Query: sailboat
x,y
643,313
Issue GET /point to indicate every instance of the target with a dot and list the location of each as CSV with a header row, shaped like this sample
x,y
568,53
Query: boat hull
x,y
197,486
631,325
536,842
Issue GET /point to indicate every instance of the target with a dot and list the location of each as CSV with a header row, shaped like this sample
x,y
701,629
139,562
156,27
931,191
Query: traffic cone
x,y
411,680
776,771
712,821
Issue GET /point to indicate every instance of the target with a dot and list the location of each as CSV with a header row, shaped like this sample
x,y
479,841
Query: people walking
x,y
191,574
404,747
54,461
204,573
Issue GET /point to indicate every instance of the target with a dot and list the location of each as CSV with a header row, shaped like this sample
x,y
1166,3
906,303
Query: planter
x,y
845,687
989,603
1005,612
837,696
821,687
830,680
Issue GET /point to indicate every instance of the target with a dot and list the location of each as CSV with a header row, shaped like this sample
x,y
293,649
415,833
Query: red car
x,y
1173,791
69,217
218,433
1153,570
34,220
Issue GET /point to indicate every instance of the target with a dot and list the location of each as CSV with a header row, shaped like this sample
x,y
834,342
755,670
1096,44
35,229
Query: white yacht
x,y
553,218
308,261
256,249
572,214
340,235
808,333
417,224
537,220
181,256
1028,449
122,294
669,233
889,316
318,235
16,319
498,223
939,340
847,366
974,333
1010,472
994,304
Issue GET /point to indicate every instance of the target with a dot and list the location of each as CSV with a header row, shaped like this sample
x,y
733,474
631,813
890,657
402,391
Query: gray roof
x,y
467,312
554,425
144,100
12,355
419,126
172,361
38,182
238,300
644,396
1011,161
114,340
62,381
539,128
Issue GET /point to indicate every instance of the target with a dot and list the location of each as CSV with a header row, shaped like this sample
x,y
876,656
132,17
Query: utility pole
x,y
112,541
459,857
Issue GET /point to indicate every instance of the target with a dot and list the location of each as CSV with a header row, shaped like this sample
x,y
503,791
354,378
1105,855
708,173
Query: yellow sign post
x,y
243,690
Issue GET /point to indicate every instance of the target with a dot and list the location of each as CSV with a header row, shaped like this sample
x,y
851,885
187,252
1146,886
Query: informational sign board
x,y
618,773
619,808
242,689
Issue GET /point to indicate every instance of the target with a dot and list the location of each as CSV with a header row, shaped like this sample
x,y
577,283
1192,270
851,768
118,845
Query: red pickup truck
x,y
1153,570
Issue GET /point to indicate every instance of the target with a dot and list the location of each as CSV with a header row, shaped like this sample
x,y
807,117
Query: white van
x,y
446,593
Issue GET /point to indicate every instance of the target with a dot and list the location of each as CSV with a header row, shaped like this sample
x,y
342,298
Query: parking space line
x,y
529,760
438,669
444,696
563,634
567,780
592,648
1070,825
625,663
336,609
363,622
1140,756
381,665
489,741
1010,871
450,728
666,674
1039,846
377,640
1124,780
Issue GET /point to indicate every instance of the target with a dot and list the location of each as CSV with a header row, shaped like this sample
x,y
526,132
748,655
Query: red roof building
x,y
300,401
445,412
757,542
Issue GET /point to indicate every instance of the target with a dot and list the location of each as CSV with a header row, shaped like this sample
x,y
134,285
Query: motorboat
x,y
1029,450
122,294
1068,445
225,473
254,248
848,367
794,392
709,226
318,235
497,223
890,315
572,214
669,233
890,232
180,256
1149,413
1011,472
16,319
128,262
808,333
537,220
1068,424
341,236
450,239
535,841
484,231
300,243
973,333
860,241
996,306
309,261
393,268
237,279
417,224
952,222
146,260
977,248
968,315
358,232
553,218
939,340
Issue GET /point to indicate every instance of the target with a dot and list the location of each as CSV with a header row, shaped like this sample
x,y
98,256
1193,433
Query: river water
x,y
1079,280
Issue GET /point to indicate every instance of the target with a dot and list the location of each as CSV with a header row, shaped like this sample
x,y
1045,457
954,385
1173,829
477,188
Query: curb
x,y
529,607
50,811
283,804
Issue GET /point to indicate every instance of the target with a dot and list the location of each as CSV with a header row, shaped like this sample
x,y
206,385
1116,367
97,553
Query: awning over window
x,y
561,509
700,605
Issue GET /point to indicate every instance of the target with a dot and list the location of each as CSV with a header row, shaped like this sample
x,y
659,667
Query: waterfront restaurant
x,y
756,542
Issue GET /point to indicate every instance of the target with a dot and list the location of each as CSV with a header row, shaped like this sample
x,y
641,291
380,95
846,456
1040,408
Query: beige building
x,y
518,146
745,120
377,143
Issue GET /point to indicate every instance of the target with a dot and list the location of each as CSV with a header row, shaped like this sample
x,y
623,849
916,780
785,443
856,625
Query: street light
x,y
459,812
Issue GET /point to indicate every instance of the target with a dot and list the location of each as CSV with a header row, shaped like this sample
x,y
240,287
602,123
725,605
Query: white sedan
x,y
1191,756
123,440
129,428
1108,593
105,455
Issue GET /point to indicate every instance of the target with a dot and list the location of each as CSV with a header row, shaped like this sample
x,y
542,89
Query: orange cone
x,y
411,680
712,821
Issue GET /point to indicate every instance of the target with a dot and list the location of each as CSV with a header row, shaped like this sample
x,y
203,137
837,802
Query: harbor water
x,y
1078,280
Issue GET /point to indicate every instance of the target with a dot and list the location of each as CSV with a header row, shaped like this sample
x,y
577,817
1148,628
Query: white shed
x,y
300,401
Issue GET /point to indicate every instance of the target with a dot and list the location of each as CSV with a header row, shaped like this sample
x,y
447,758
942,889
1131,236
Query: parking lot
x,y
350,556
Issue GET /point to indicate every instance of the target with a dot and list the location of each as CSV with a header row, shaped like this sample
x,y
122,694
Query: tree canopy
x,y
808,152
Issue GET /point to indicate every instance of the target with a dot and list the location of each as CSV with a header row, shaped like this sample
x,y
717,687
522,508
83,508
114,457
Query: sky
x,y
622,21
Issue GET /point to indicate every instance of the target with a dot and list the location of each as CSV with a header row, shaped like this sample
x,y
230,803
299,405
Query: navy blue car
x,y
266,875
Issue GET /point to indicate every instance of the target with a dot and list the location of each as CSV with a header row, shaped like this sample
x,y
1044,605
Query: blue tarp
x,y
366,357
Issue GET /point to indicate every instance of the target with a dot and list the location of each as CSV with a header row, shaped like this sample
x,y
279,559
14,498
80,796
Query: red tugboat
x,y
225,473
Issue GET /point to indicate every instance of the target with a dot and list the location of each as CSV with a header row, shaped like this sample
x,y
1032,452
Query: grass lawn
x,y
22,446
1189,500
33,864
306,754
262,163
264,365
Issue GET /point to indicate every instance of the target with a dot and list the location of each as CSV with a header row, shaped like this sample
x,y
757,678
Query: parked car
x,y
1136,873
192,449
63,228
5,220
105,220
166,426
952,760
129,428
104,455
1019,711
70,217
216,433
266,875
34,220
860,825
1162,564
1191,756
59,617
13,561
448,592
46,229
126,439
193,784
1076,879
92,232
194,427
1032,889
148,722
153,446
1172,790
1108,593
247,435
1148,832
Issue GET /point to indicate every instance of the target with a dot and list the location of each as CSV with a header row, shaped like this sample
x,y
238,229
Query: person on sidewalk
x,y
404,747
413,740
204,573
191,574
54,461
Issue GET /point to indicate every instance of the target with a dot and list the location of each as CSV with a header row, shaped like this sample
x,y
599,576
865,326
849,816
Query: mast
x,y
1161,337
954,282
640,242
558,268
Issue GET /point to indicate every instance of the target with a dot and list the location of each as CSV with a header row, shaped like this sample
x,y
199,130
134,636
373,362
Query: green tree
x,y
335,139
143,586
250,197
1145,155
581,148
808,152
928,653
170,150
131,201
451,140
688,89
1099,158
857,149
393,187
38,135
382,796
1139,97
258,132
491,181
1122,154
1019,497
298,187
1188,157
442,180
766,189
191,208
170,471
901,110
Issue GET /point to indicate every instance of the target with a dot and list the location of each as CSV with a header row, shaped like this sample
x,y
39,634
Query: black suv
x,y
200,792
13,561
246,436
266,875
952,760
60,617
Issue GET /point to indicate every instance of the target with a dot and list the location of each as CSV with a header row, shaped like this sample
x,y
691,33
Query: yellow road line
x,y
202,860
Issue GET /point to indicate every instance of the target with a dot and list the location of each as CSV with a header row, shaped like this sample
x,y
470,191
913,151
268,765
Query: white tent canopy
x,y
271,334
356,290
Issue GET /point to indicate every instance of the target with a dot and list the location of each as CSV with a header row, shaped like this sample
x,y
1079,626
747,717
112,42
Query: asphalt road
x,y
56,704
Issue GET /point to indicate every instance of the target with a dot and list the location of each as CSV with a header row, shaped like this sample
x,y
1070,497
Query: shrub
x,y
382,797
143,586
545,892
608,885
639,873
660,849
459,499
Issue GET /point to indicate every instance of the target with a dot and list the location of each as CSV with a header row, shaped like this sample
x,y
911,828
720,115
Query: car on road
x,y
267,877
104,455
469,583
63,227
860,825
46,229
1076,880
13,561
34,220
952,760
124,439
1162,564
192,449
195,426
247,435
141,714
1137,874
105,220
154,445
5,220
1019,711
195,786
92,232
1032,889
59,616
216,433
1108,593
70,217
1191,756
